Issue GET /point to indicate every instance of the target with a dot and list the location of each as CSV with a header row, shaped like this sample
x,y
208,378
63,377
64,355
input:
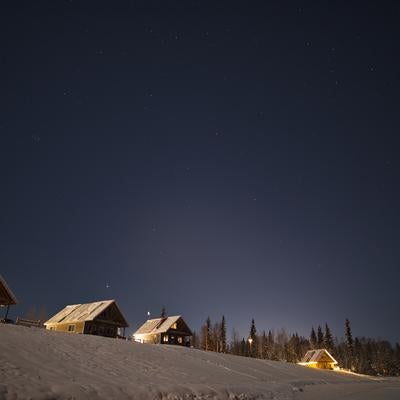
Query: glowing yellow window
x,y
174,326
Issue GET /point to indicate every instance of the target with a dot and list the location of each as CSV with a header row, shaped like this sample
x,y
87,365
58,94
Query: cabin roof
x,y
82,312
158,325
314,356
7,297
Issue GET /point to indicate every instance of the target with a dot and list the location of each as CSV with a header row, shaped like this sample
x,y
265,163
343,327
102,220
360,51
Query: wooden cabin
x,y
320,358
7,298
102,318
167,330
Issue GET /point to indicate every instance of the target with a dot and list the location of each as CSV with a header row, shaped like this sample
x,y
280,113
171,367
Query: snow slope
x,y
39,364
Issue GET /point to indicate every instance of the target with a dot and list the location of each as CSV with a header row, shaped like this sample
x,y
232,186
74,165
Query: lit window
x,y
165,338
174,326
179,340
71,328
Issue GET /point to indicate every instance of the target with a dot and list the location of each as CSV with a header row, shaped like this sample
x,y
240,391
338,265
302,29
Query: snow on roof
x,y
7,297
314,356
157,325
80,312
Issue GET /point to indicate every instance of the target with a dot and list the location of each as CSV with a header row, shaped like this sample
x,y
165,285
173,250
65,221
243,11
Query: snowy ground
x,y
39,364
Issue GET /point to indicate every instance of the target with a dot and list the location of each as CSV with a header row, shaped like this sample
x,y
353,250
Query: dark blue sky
x,y
238,158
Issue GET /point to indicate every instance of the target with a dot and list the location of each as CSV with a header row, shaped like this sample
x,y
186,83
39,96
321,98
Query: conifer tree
x,y
223,335
348,334
320,337
313,338
349,345
208,334
328,339
252,339
163,313
206,337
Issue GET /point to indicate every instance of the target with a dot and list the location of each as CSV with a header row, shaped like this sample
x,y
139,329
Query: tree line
x,y
357,354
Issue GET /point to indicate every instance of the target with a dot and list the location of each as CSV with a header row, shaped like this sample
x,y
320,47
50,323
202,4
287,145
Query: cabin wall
x,y
100,329
325,365
88,328
172,337
77,327
321,365
150,338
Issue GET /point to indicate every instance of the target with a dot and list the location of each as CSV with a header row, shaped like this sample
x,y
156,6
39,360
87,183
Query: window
x,y
174,326
180,339
71,328
165,338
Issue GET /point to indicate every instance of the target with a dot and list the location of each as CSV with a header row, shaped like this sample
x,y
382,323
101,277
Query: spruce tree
x,y
328,339
320,337
252,339
223,335
163,313
349,345
313,338
208,344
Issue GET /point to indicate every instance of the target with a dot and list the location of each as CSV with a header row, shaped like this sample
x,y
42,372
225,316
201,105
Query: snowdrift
x,y
39,364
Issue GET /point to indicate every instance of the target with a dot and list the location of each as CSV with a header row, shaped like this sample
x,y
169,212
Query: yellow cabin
x,y
102,318
320,358
167,330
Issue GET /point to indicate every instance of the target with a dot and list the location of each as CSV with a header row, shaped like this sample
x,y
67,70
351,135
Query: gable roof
x,y
7,297
159,325
314,356
82,312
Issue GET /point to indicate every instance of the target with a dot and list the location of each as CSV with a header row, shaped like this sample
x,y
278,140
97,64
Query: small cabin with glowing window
x,y
319,358
102,318
166,330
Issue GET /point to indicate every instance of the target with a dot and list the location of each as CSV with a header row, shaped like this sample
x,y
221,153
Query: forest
x,y
357,354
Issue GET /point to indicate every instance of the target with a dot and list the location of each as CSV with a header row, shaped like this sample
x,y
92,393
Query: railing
x,y
28,322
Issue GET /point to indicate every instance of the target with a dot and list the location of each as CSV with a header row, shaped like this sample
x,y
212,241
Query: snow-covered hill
x,y
39,364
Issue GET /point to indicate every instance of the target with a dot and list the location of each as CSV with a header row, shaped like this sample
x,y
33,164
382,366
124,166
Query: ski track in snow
x,y
43,365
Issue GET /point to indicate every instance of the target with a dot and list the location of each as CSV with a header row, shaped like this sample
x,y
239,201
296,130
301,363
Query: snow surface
x,y
40,364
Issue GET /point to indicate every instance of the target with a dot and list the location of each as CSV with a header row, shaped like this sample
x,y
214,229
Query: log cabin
x,y
167,330
7,298
102,318
319,358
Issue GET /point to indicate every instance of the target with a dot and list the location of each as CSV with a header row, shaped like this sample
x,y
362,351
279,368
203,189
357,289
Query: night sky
x,y
212,157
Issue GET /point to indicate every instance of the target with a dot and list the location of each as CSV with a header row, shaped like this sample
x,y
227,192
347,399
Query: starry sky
x,y
230,157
